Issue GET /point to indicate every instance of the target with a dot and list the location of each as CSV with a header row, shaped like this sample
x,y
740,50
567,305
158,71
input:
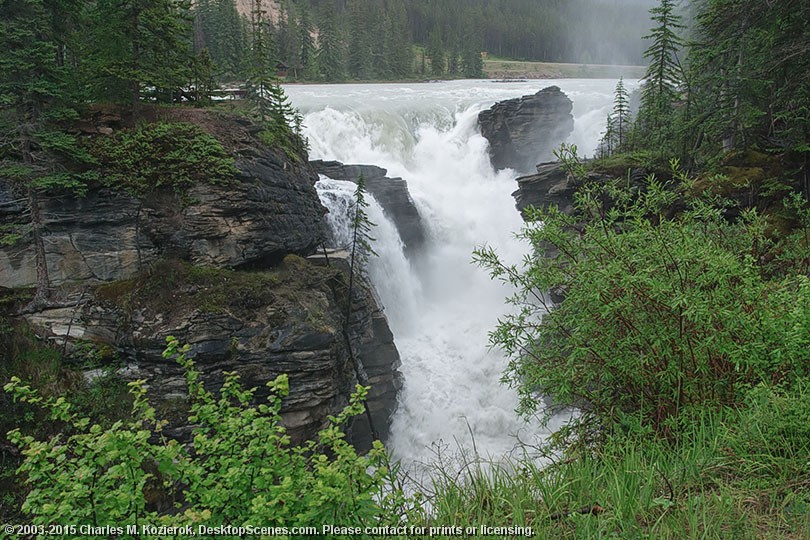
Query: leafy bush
x,y
239,469
661,315
178,155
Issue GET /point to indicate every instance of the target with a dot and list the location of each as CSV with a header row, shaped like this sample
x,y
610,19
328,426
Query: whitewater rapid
x,y
440,306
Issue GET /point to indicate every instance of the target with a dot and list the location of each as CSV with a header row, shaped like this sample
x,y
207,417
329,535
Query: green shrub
x,y
239,470
661,316
178,155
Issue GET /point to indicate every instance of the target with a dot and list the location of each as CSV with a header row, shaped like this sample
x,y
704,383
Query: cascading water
x,y
440,306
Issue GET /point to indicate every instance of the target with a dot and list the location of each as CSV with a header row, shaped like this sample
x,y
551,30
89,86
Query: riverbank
x,y
514,69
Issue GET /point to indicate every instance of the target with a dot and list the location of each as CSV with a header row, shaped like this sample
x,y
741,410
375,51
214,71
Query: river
x,y
441,306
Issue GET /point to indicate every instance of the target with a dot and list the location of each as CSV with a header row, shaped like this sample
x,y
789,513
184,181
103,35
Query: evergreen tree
x,y
621,113
262,78
307,46
607,144
399,51
362,226
220,29
331,64
435,51
203,71
664,73
30,81
150,45
359,56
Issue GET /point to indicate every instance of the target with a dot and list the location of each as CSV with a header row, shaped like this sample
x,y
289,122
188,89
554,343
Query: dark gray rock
x,y
259,325
391,193
551,185
126,272
269,210
523,131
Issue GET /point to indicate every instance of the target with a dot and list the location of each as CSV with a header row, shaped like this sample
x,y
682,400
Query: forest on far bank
x,y
384,40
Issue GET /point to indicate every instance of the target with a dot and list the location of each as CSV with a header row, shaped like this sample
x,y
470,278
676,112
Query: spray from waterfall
x,y
440,306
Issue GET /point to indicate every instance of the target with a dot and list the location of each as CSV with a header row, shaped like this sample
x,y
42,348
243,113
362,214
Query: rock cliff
x,y
268,210
523,131
391,193
222,268
260,324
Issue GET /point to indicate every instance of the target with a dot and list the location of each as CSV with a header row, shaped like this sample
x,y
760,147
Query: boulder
x,y
524,131
391,193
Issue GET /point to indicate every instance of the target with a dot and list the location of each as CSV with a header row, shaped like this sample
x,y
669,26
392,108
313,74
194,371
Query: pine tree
x,y
664,73
29,81
362,226
203,71
621,114
262,78
38,88
331,62
359,56
307,46
131,44
435,51
399,51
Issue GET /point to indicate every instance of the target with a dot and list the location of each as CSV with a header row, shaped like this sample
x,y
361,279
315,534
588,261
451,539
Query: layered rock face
x,y
551,185
258,324
523,131
391,193
266,212
221,269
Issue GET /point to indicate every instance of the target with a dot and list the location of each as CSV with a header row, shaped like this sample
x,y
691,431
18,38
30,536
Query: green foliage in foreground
x,y
240,468
734,476
661,315
176,154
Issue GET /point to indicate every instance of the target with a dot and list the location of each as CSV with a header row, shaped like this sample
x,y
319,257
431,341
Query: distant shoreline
x,y
514,69
507,71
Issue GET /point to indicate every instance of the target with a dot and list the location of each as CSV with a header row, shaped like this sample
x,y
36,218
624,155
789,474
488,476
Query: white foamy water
x,y
440,306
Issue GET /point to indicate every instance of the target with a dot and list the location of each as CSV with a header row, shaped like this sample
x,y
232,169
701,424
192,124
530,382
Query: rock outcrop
x,y
259,324
268,210
391,193
523,131
551,185
221,268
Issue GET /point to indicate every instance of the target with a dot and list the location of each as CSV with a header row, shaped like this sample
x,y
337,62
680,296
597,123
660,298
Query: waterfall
x,y
440,306
389,265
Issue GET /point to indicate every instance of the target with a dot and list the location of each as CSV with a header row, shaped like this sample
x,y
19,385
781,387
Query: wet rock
x,y
523,131
391,193
294,324
269,210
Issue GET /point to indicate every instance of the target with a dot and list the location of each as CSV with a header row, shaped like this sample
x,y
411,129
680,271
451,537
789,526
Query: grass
x,y
717,483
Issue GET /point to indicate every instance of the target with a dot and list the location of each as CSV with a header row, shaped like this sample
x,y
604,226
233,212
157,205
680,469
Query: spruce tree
x,y
261,77
621,114
307,45
30,80
664,73
435,51
331,62
132,44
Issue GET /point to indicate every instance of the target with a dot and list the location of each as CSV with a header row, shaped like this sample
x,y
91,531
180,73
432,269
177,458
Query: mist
x,y
608,31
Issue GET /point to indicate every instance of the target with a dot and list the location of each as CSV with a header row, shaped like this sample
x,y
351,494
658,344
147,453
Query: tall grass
x,y
722,482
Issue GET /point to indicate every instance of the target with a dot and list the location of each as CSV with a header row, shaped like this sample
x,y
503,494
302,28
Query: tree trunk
x,y
43,282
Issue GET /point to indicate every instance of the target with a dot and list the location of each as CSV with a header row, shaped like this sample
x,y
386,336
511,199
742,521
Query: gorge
x,y
224,267
440,306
